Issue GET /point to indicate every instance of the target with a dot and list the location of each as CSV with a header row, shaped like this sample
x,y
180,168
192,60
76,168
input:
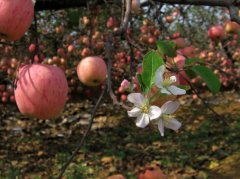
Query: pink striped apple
x,y
15,18
92,71
41,91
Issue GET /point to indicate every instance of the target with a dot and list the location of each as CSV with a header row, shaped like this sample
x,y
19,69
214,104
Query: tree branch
x,y
63,4
63,169
222,3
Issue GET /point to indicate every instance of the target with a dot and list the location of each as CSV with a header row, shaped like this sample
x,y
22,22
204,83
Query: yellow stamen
x,y
166,83
168,117
145,108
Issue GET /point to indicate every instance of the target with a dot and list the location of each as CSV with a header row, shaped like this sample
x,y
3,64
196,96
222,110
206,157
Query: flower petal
x,y
134,112
161,127
172,124
176,91
173,79
165,91
142,120
154,112
170,107
136,98
159,76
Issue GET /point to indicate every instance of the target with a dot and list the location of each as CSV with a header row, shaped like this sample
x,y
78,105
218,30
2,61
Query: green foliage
x,y
37,177
140,81
192,60
151,63
13,173
62,158
78,171
167,48
189,62
73,16
238,124
208,76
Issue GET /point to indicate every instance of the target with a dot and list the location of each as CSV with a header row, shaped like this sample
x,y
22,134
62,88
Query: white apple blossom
x,y
142,110
167,119
166,85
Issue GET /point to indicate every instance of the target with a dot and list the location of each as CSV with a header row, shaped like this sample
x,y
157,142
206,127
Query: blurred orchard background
x,y
63,32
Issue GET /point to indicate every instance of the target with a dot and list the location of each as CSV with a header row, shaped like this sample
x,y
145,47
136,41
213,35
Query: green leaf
x,y
190,73
209,77
151,62
167,48
192,60
73,17
144,89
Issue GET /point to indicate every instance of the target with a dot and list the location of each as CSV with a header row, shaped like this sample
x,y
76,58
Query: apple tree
x,y
144,54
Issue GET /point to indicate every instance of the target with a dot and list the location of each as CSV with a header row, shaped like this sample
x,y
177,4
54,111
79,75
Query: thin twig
x,y
91,18
125,21
36,34
84,136
134,44
109,72
7,43
221,118
132,58
108,47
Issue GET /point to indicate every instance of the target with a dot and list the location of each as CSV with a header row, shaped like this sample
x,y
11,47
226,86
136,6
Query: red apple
x,y
146,22
232,27
36,59
176,35
111,22
144,29
85,52
2,87
123,97
41,91
151,172
59,29
85,20
118,176
15,18
14,63
216,32
180,42
96,35
32,48
151,40
4,99
135,6
92,71
5,94
12,98
61,52
156,32
188,51
169,19
180,61
70,48
85,40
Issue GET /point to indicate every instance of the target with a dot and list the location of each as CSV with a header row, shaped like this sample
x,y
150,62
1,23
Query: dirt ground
x,y
204,147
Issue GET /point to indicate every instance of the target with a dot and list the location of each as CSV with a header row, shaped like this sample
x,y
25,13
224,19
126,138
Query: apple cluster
x,y
80,50
7,73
